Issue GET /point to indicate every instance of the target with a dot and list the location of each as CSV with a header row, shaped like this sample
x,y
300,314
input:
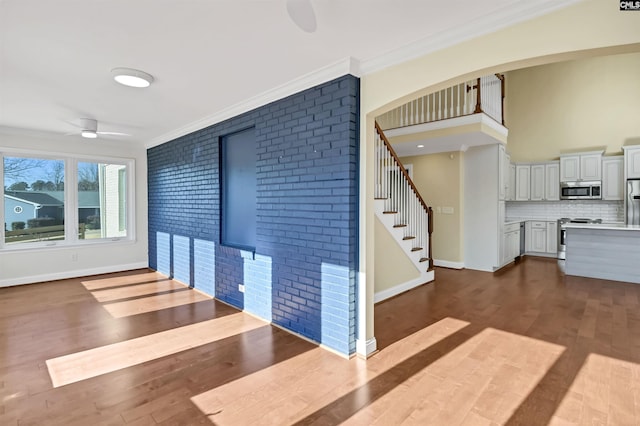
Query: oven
x,y
562,233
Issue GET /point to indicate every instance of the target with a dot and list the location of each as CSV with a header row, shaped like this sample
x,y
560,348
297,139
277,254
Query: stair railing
x,y
402,199
485,94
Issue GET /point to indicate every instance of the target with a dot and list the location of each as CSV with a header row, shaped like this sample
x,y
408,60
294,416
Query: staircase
x,y
401,209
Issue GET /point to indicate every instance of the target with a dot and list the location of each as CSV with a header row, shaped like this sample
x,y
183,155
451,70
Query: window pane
x,y
102,197
33,199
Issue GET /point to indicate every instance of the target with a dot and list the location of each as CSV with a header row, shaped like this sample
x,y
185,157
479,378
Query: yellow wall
x,y
393,267
438,178
585,104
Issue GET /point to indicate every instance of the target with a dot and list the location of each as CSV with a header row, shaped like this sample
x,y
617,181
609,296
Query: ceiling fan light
x,y
89,134
132,78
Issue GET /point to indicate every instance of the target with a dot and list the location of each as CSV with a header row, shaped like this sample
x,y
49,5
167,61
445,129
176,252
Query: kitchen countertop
x,y
612,226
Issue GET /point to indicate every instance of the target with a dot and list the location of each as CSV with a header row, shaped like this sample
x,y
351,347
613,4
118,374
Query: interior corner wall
x,y
438,179
53,263
303,274
584,104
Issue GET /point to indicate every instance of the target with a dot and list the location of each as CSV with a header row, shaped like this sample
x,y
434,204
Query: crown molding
x,y
492,22
337,69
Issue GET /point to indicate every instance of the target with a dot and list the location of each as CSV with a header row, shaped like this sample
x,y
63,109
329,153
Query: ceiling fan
x,y
89,129
302,14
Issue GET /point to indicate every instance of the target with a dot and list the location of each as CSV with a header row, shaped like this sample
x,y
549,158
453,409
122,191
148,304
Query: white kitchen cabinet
x,y
523,179
583,166
552,181
552,237
591,166
632,156
537,240
569,168
510,242
537,182
504,160
612,178
543,180
512,182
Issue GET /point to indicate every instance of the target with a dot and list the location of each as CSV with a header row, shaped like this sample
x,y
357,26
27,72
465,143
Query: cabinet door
x,y
515,244
552,182
523,174
552,237
512,182
612,178
537,182
633,163
538,237
591,167
502,176
569,168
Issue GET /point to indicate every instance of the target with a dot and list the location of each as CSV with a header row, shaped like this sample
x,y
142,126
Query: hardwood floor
x,y
525,346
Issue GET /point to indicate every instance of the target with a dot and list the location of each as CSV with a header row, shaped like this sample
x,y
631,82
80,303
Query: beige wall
x,y
438,178
584,104
393,267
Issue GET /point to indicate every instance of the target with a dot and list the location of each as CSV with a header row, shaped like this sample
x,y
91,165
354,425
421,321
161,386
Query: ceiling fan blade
x,y
302,14
113,134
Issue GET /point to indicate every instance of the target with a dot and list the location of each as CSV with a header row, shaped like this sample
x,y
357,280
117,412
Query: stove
x,y
562,232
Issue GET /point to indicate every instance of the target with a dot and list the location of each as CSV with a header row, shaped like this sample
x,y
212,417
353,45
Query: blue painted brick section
x,y
163,250
204,266
303,275
181,259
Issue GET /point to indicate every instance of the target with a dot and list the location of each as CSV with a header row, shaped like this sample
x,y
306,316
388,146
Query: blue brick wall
x,y
303,274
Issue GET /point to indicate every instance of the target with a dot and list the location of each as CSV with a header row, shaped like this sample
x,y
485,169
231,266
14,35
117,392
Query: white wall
x,y
36,265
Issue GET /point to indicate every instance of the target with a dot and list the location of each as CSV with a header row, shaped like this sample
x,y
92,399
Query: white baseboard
x,y
71,274
364,348
401,288
448,264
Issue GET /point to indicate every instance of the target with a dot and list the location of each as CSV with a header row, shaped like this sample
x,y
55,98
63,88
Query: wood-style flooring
x,y
524,346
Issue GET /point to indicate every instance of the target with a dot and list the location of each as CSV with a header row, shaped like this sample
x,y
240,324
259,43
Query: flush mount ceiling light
x,y
420,146
91,134
132,78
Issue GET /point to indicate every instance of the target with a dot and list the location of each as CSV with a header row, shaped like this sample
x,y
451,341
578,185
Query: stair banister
x,y
404,195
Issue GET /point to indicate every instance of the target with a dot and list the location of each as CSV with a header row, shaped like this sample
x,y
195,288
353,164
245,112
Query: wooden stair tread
x,y
380,198
402,225
424,259
389,212
408,238
416,249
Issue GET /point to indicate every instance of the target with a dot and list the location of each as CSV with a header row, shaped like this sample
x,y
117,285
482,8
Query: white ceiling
x,y
211,58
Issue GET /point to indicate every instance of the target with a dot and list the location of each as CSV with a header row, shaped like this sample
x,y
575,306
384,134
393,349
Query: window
x,y
102,201
48,201
34,199
238,179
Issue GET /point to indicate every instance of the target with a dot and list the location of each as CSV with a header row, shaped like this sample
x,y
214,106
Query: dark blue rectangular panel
x,y
238,163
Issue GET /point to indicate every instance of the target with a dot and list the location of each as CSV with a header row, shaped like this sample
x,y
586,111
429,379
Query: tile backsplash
x,y
608,211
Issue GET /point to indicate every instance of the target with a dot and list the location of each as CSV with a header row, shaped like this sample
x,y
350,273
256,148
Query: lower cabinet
x,y
510,242
541,237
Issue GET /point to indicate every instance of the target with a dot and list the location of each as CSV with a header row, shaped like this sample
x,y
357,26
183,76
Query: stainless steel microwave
x,y
581,190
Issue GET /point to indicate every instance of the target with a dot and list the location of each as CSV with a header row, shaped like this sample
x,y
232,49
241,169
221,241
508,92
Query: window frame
x,y
71,216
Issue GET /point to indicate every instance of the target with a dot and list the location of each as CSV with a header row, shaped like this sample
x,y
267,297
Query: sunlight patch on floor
x,y
106,359
154,303
138,290
122,280
605,391
482,381
282,394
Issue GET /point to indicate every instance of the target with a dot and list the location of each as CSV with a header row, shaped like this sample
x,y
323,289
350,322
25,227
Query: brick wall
x,y
302,276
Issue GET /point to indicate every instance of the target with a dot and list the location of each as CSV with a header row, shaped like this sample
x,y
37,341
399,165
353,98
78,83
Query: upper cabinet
x,y
584,166
612,178
632,156
538,182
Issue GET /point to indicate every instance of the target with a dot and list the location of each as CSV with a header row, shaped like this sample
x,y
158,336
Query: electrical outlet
x,y
447,210
241,288
74,257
